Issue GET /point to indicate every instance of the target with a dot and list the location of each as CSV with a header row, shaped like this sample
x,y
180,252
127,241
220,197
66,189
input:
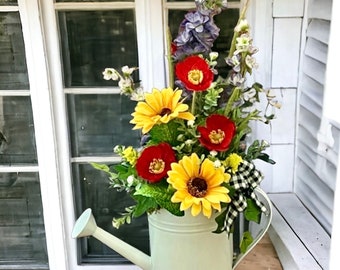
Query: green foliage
x,y
165,133
255,151
246,240
252,212
220,222
160,194
211,100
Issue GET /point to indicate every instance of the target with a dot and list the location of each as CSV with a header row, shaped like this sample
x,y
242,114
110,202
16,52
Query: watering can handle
x,y
268,218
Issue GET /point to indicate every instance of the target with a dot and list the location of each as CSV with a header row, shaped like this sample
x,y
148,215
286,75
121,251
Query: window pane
x,y
226,21
22,230
99,122
13,71
94,40
92,191
8,2
17,142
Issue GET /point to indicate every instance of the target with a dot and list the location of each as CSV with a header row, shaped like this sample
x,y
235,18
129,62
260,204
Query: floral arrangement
x,y
194,153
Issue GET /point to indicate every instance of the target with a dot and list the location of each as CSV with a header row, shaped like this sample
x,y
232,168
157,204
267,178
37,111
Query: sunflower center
x,y
216,137
197,187
195,76
157,166
165,111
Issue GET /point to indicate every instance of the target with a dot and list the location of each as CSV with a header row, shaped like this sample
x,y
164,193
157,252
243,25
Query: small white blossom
x,y
128,71
110,74
130,180
189,142
213,56
243,43
250,95
251,62
217,163
138,94
124,83
213,153
242,26
191,123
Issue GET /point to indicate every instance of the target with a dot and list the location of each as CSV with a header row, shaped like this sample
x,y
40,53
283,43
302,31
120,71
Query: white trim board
x,y
299,240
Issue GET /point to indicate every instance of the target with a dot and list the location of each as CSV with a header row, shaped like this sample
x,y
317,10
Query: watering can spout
x,y
86,226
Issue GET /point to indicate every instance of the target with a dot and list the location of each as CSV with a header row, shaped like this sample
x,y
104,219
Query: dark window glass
x,y
106,203
13,71
99,122
17,142
94,40
226,21
22,232
8,2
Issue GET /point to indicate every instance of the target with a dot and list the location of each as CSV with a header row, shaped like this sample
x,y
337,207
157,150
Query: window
x,y
23,241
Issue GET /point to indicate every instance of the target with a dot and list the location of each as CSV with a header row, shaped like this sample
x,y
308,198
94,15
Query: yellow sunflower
x,y
198,185
160,106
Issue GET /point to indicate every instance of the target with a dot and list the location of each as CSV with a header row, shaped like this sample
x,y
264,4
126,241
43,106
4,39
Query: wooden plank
x,y
292,253
263,256
288,8
286,52
304,226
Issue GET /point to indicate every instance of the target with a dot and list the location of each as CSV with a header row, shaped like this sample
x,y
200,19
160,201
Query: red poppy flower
x,y
154,162
195,73
173,48
218,133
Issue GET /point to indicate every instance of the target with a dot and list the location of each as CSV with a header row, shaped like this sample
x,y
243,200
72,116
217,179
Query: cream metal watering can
x,y
179,243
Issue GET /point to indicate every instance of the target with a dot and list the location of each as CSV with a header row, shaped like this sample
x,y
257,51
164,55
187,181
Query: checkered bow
x,y
244,181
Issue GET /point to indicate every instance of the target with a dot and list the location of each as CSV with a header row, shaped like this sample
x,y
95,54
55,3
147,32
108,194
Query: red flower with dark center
x,y
218,133
195,73
154,162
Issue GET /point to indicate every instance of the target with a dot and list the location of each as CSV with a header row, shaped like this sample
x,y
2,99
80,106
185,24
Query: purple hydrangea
x,y
196,34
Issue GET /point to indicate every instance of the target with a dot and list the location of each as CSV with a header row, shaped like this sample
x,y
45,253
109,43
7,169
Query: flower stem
x,y
234,96
169,60
193,102
242,16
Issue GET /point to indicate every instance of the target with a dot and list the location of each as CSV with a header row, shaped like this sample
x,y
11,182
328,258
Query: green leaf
x,y
101,167
265,157
246,240
144,204
162,196
220,222
252,212
165,133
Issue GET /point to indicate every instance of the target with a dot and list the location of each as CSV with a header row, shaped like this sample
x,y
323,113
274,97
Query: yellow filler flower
x,y
198,185
159,107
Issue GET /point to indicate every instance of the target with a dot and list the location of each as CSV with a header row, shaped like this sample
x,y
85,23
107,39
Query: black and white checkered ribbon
x,y
244,181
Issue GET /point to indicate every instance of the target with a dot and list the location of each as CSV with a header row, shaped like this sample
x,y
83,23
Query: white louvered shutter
x,y
317,138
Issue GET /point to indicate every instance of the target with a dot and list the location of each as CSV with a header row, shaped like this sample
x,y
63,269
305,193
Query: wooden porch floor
x,y
262,257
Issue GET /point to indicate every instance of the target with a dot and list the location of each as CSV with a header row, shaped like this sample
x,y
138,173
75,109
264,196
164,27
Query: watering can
x,y
179,243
